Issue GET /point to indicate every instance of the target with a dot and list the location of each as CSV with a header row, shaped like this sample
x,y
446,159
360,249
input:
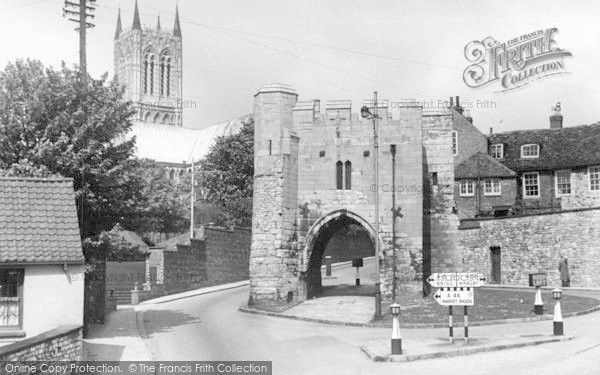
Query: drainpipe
x,y
393,151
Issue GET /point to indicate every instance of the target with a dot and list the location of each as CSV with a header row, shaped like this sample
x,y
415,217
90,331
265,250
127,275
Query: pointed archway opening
x,y
343,239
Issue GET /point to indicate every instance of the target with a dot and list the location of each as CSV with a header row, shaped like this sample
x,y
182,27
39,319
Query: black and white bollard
x,y
538,305
451,324
558,320
396,338
466,317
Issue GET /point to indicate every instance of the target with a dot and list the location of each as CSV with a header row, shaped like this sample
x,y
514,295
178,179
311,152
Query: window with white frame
x,y
454,142
563,182
497,151
530,151
491,186
11,294
594,175
531,185
467,188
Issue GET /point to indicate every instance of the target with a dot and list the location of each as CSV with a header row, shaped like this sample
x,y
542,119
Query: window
x,y
497,151
149,73
434,178
339,175
454,142
165,75
530,151
467,188
348,174
491,186
594,173
343,175
531,185
563,183
11,285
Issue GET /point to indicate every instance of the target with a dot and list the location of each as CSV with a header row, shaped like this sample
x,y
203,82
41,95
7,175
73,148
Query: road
x,y
210,327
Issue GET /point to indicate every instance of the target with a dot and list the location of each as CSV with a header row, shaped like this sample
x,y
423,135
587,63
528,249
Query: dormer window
x,y
530,151
497,151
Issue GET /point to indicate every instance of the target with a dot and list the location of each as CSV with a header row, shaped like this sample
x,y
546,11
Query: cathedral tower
x,y
148,61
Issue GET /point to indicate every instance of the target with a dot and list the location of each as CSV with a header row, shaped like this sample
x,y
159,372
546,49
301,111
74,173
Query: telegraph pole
x,y
80,10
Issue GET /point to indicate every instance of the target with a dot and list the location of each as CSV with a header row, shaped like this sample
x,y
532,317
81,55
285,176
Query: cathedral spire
x,y
136,18
177,27
119,28
158,23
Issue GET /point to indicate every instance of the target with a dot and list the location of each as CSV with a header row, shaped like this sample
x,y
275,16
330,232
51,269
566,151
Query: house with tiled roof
x,y
41,261
558,168
483,187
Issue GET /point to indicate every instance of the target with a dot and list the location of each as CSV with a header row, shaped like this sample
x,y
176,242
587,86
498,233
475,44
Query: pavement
x,y
118,339
123,335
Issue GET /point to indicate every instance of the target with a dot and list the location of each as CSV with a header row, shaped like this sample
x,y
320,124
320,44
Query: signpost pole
x,y
357,277
466,325
450,324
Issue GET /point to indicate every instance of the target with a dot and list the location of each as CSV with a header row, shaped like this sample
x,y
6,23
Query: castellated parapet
x,y
314,174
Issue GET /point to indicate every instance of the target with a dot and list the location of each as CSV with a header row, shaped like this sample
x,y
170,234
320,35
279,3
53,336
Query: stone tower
x,y
273,258
148,62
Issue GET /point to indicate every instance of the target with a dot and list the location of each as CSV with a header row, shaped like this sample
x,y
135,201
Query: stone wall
x,y
60,344
440,224
581,195
536,243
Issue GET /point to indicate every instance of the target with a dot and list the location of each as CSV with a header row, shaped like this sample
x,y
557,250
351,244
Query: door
x,y
496,265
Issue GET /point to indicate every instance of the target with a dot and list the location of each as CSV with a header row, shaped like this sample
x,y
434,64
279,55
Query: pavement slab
x,y
421,349
343,309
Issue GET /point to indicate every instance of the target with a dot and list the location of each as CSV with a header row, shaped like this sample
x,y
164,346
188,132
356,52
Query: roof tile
x,y
38,221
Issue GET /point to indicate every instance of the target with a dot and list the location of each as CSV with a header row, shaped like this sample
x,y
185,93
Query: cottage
x,y
557,168
41,269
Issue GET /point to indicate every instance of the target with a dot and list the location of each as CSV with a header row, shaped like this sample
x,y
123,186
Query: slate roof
x,y
570,147
38,221
482,165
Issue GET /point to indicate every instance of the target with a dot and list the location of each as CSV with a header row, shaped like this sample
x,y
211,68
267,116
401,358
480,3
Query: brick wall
x,y
536,243
60,344
227,255
220,256
470,139
467,206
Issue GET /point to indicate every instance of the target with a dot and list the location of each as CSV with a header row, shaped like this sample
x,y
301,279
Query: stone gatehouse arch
x,y
315,242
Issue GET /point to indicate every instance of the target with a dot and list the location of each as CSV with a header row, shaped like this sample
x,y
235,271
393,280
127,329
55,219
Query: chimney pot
x,y
451,102
491,130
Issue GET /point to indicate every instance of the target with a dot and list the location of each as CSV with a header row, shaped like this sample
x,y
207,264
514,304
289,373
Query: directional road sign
x,y
456,280
455,297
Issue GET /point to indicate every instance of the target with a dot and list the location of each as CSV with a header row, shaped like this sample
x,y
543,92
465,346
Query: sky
x,y
338,49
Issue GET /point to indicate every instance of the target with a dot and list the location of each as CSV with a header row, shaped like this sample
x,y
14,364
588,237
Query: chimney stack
x,y
468,116
457,107
451,102
491,130
556,120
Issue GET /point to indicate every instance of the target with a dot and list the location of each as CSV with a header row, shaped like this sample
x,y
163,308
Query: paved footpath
x,y
117,339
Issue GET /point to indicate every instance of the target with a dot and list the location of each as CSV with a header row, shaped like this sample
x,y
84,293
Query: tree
x,y
226,173
50,125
